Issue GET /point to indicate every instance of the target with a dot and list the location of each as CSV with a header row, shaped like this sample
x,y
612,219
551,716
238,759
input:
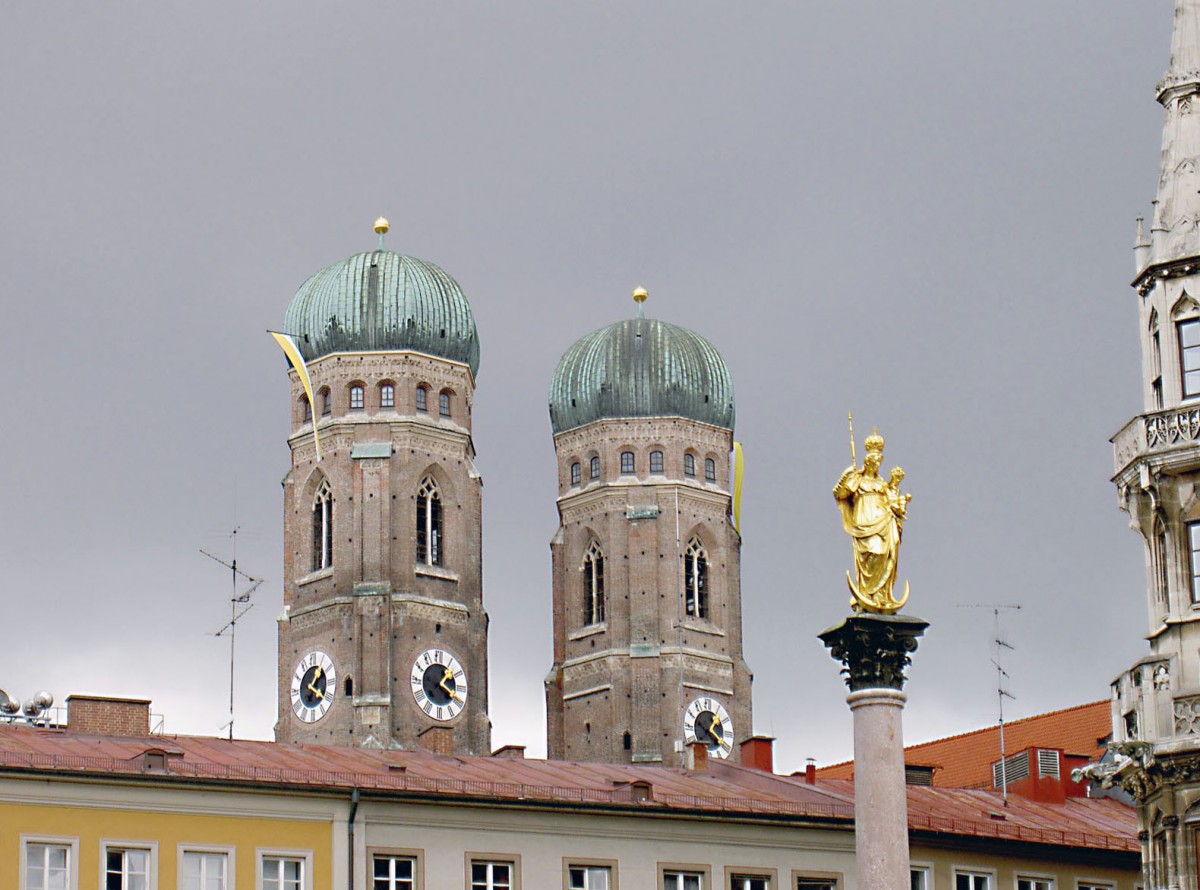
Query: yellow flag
x,y
737,486
288,345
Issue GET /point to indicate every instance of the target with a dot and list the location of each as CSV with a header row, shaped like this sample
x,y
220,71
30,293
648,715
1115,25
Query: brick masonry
x,y
377,608
637,671
97,715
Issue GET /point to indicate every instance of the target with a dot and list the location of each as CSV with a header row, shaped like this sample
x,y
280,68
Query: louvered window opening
x,y
593,585
695,580
1015,768
1047,764
429,523
322,528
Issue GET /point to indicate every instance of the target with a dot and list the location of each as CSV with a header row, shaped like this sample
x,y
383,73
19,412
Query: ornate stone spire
x,y
1175,229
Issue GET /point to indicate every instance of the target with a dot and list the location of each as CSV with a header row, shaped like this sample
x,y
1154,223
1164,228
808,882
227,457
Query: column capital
x,y
874,649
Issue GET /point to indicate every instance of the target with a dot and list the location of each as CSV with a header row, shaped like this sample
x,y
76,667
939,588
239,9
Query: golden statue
x,y
873,514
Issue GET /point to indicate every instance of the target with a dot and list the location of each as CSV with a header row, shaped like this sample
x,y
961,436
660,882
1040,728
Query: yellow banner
x,y
737,486
288,345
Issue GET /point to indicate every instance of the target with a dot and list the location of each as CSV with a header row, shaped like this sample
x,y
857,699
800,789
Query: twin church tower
x,y
383,638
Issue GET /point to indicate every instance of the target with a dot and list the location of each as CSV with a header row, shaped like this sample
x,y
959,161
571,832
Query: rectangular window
x,y
47,866
387,396
920,878
1035,884
126,869
326,403
972,880
282,873
444,404
1189,354
749,882
491,875
710,470
394,873
595,467
356,398
589,877
575,474
627,464
689,465
422,392
1194,546
205,870
1091,886
683,880
656,461
816,884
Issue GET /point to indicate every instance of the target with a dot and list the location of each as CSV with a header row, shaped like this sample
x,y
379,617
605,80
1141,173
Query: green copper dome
x,y
383,301
641,367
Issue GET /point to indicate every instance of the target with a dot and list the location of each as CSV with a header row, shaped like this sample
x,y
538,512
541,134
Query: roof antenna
x,y
236,600
1001,676
639,297
381,229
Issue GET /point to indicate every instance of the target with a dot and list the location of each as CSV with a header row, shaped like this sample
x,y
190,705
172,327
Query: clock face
x,y
314,686
706,720
439,684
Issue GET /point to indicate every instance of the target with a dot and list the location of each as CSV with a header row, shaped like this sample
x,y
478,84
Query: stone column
x,y
874,651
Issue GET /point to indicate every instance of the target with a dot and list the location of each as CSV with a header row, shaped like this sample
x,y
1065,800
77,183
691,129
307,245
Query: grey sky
x,y
921,212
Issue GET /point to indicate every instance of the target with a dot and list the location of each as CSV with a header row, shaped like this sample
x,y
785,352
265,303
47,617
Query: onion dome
x,y
383,301
641,367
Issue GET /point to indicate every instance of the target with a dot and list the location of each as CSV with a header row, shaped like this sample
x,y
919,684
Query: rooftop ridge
x,y
1009,725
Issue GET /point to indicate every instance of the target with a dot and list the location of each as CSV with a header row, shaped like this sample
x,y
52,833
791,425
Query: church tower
x,y
383,637
1156,704
646,559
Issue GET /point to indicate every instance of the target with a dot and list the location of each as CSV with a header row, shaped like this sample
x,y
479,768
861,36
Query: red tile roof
x,y
729,788
965,760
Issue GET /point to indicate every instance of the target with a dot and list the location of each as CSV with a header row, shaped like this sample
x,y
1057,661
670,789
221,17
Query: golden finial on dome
x,y
640,296
381,228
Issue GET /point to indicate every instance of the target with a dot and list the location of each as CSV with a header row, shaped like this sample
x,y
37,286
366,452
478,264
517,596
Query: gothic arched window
x,y
326,402
387,395
595,467
627,464
576,474
322,527
593,584
710,470
1156,384
656,461
305,410
357,398
444,403
695,579
422,398
689,464
430,549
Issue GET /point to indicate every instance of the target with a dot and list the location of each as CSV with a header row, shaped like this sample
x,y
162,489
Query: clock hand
x,y
317,675
442,683
317,692
714,727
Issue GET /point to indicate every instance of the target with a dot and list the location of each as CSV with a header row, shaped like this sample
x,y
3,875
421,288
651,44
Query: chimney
x,y
437,740
697,757
510,752
98,715
810,772
758,753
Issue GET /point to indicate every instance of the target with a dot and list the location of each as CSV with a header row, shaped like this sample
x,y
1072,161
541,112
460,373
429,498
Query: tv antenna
x,y
1001,676
239,605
